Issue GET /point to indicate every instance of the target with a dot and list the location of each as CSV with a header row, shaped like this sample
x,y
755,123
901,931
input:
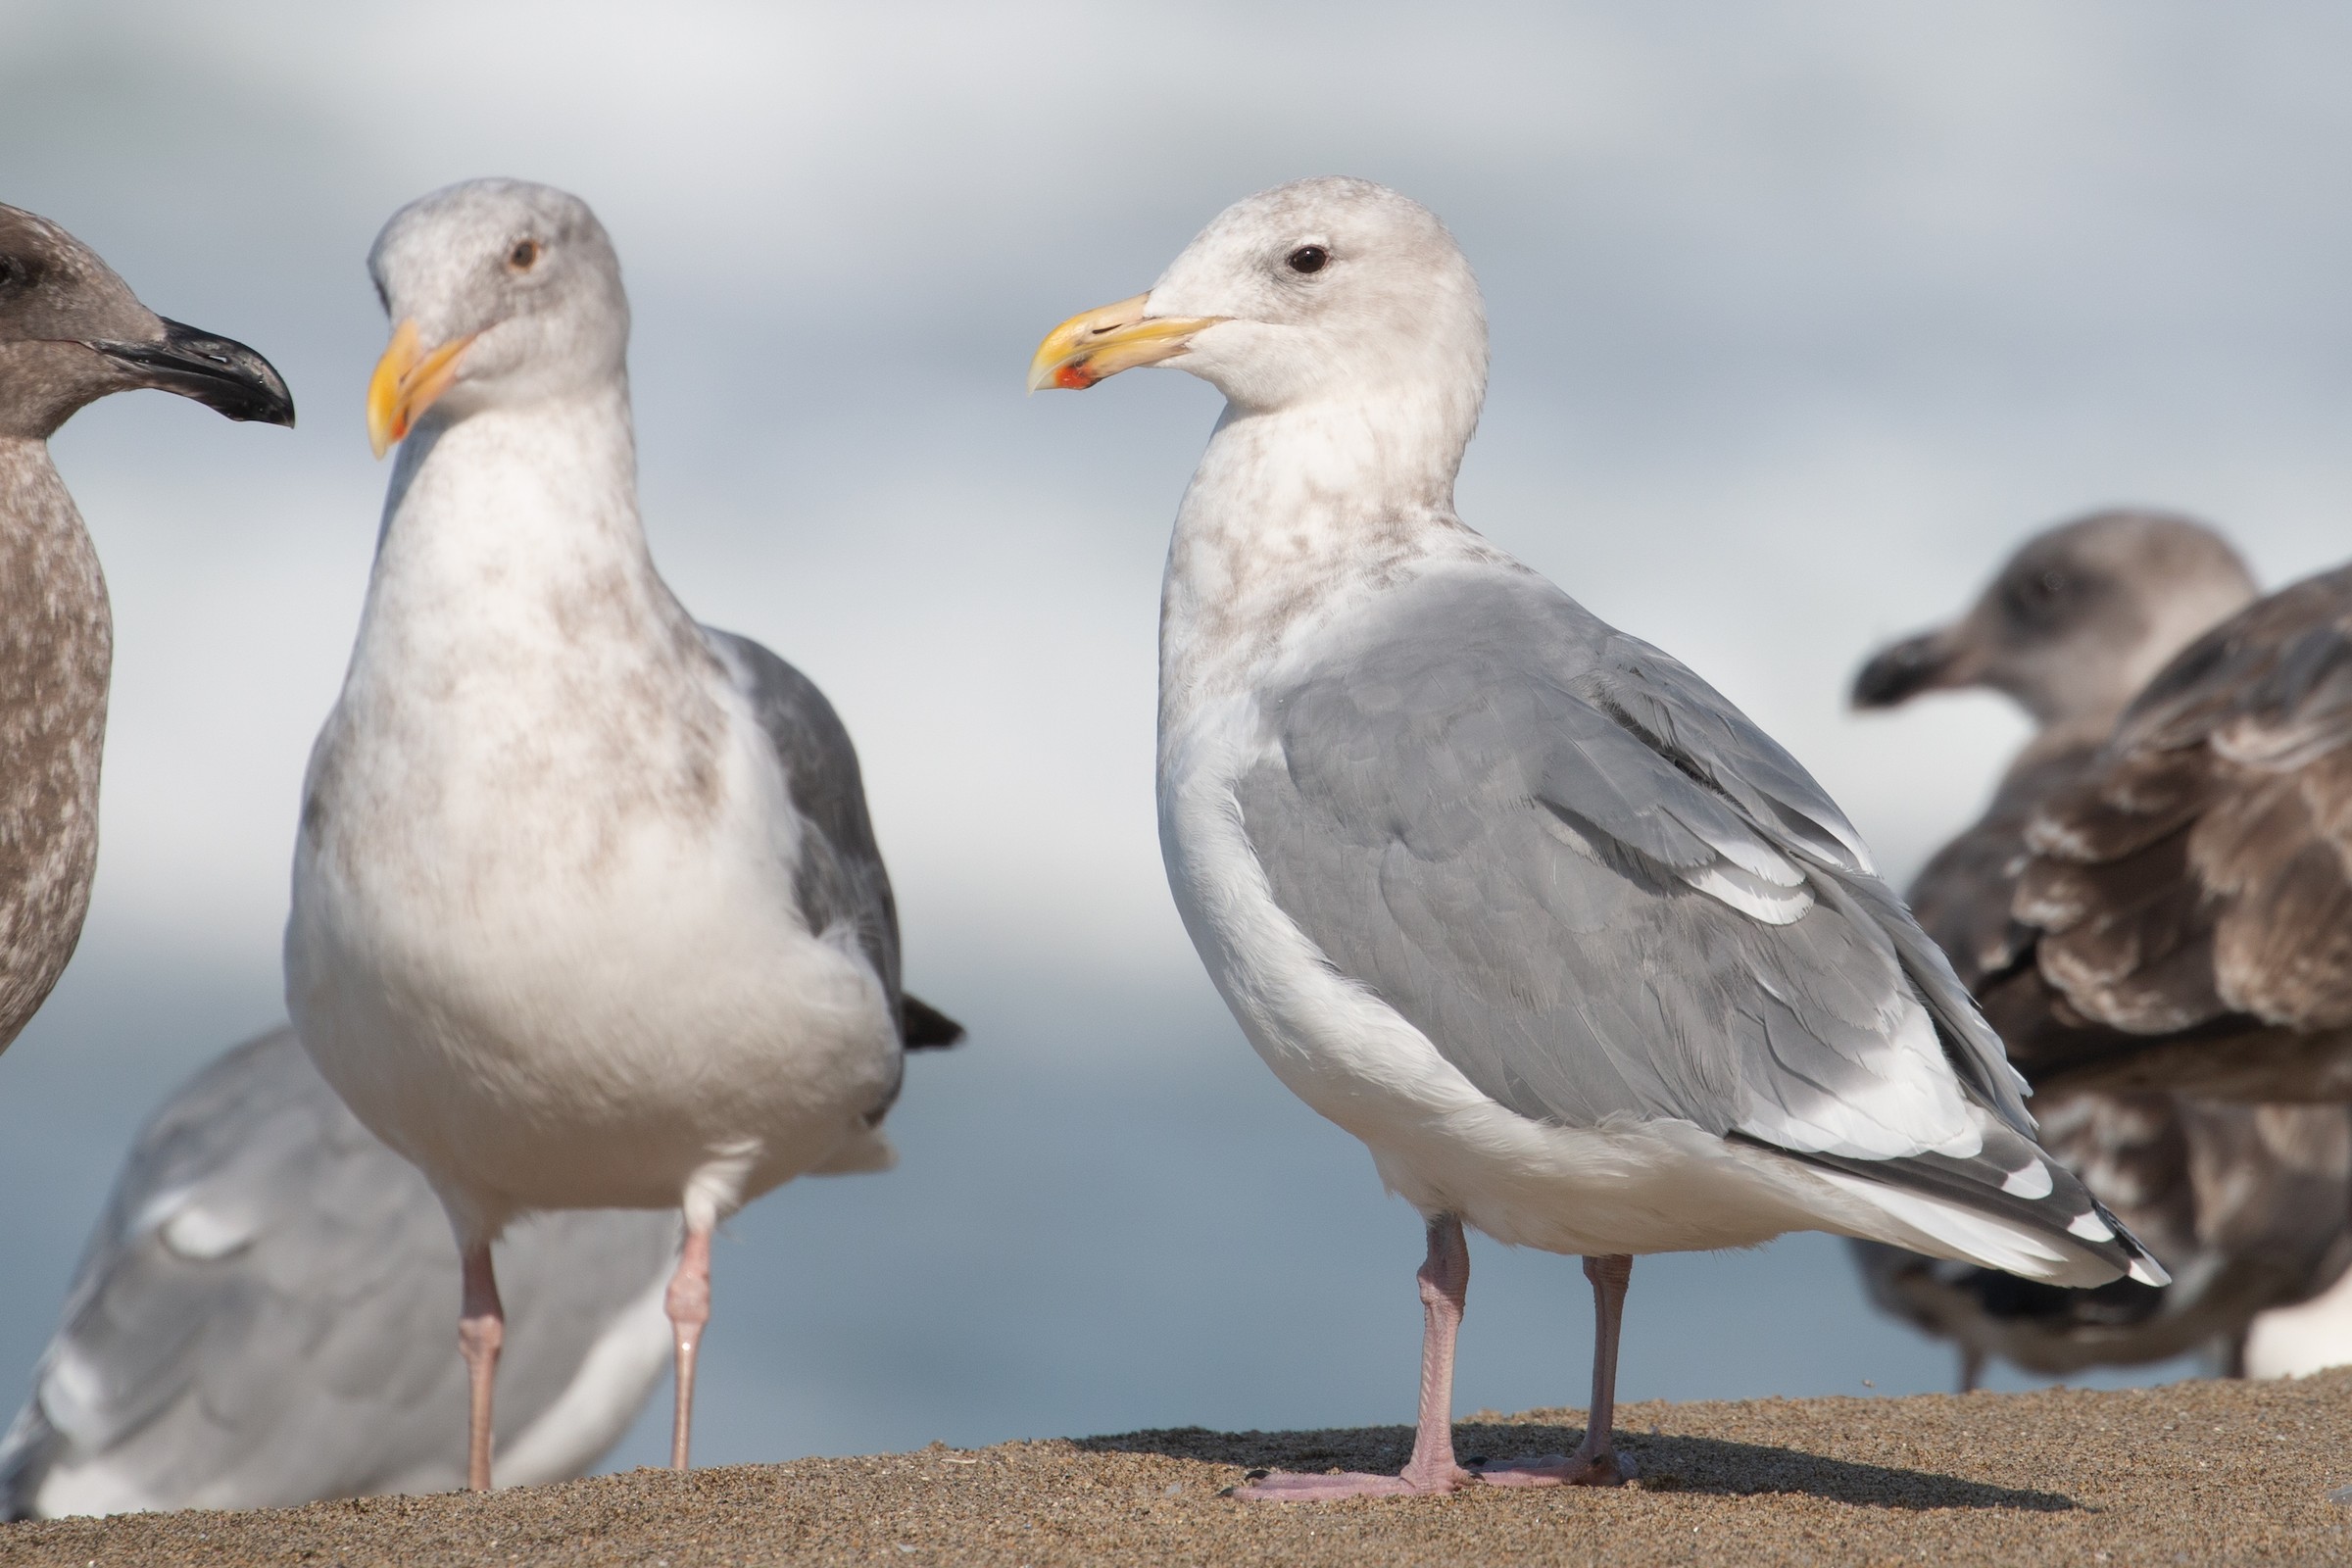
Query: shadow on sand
x,y
1669,1463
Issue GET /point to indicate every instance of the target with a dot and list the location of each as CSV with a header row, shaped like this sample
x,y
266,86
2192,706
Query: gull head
x,y
500,293
2074,622
71,331
1320,290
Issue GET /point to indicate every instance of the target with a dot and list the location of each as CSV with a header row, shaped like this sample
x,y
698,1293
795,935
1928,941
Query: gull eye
x,y
524,255
2038,597
14,274
1308,259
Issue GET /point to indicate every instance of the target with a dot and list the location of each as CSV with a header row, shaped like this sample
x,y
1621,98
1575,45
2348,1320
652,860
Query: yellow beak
x,y
406,383
1096,344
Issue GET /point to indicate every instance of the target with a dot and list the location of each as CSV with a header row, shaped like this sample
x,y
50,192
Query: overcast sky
x,y
1803,314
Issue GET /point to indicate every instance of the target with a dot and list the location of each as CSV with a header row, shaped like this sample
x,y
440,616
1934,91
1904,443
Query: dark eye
x,y
1308,259
14,274
2036,596
524,255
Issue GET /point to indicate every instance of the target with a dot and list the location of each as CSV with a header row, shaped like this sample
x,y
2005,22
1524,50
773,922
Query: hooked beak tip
x,y
1095,345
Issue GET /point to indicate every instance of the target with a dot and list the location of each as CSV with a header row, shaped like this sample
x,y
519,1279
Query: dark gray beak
x,y
1901,672
220,373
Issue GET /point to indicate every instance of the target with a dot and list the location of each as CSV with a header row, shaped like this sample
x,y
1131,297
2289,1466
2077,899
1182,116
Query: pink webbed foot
x,y
1607,1469
1443,1279
1284,1486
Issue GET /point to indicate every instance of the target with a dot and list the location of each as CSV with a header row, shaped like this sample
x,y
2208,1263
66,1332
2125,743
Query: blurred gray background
x,y
1803,314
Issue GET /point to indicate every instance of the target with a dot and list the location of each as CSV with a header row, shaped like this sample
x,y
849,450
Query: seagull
x,y
70,332
2249,1207
2187,898
1584,958
260,1319
587,907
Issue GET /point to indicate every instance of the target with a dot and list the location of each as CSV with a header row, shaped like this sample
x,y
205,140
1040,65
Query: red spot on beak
x,y
1075,377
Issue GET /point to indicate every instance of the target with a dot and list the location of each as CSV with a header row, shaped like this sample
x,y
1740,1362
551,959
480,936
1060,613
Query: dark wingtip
x,y
923,1027
1897,674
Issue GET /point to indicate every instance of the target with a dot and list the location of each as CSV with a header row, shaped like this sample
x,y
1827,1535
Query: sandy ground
x,y
2198,1473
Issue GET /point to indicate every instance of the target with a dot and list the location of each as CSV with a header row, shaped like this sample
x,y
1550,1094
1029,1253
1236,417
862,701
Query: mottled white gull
x,y
70,332
588,912
1583,957
2248,1206
262,1319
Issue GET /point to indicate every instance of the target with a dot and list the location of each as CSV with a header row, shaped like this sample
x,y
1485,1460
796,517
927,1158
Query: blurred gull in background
x,y
2249,1206
262,1319
2187,898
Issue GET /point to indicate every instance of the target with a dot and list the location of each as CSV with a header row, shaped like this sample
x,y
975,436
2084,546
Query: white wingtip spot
x,y
203,1236
159,1209
1767,900
2032,1181
2091,1228
2148,1271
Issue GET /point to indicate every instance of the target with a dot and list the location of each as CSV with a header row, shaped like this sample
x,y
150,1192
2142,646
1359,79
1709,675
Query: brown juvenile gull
x,y
2187,898
588,912
262,1319
70,332
1585,957
2247,1206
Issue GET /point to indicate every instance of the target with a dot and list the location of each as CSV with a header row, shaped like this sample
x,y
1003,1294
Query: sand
x,y
2198,1473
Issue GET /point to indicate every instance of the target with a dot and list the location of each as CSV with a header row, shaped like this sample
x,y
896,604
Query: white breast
x,y
543,938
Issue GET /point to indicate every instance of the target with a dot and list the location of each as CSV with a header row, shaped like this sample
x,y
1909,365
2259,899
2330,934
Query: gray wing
x,y
1601,892
267,1314
2194,883
841,880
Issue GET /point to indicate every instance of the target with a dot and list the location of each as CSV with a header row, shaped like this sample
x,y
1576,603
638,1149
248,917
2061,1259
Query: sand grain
x,y
2206,1472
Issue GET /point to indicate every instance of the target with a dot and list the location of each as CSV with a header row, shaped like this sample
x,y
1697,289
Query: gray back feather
x,y
1488,805
839,880
266,1311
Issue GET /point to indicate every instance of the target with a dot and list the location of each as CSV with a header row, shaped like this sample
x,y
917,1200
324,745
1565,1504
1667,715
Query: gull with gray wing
x,y
262,1319
1586,958
588,911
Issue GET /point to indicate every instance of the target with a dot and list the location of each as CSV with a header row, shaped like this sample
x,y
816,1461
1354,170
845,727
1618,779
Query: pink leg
x,y
1445,1284
482,1330
689,1303
1596,1462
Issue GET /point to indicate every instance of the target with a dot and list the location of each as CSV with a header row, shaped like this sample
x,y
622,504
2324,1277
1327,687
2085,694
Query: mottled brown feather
x,y
2199,873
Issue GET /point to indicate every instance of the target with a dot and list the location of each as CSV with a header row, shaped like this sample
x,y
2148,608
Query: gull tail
x,y
923,1027
2008,1207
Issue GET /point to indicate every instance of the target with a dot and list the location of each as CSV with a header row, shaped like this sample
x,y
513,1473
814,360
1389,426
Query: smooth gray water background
x,y
1803,314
